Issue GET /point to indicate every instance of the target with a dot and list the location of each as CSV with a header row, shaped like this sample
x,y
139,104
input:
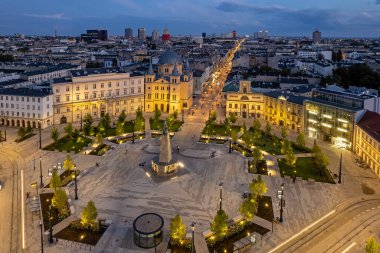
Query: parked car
x,y
59,166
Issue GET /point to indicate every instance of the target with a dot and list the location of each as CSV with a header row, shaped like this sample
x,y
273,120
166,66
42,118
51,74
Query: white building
x,y
39,76
26,107
97,92
307,54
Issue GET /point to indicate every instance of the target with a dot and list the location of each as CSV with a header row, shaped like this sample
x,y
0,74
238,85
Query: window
x,y
132,82
86,107
77,88
125,92
67,98
109,85
58,99
139,89
132,90
57,90
101,85
77,96
94,94
94,86
85,95
117,92
67,88
230,106
86,86
102,93
149,96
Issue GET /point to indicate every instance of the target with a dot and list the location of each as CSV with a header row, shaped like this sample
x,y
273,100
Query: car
x,y
59,166
1,185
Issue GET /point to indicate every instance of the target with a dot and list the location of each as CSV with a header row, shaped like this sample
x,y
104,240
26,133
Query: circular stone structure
x,y
164,168
148,230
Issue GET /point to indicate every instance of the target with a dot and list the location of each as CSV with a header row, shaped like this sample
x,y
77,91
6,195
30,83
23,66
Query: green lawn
x,y
220,130
304,168
173,127
76,144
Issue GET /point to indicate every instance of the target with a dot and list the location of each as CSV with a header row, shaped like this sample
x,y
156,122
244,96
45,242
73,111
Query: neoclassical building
x,y
97,92
171,88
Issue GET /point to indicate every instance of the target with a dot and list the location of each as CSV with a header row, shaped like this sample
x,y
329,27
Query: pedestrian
x,y
177,148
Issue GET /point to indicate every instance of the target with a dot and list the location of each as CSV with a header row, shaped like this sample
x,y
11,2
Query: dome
x,y
169,57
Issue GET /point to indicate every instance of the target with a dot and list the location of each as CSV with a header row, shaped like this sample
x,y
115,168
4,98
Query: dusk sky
x,y
347,18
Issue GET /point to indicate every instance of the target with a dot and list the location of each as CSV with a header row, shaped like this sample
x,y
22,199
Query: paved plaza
x,y
122,190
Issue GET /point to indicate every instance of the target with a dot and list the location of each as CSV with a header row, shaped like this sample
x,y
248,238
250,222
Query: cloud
x,y
238,7
377,1
48,16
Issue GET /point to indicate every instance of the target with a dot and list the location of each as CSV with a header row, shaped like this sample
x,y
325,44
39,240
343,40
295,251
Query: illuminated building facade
x,y
171,88
331,115
284,109
245,103
96,92
367,140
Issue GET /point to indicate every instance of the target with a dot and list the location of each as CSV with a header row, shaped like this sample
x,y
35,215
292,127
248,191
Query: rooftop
x,y
26,92
370,123
287,95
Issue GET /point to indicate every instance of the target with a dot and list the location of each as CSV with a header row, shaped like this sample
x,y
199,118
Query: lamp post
x,y
41,183
5,129
75,183
183,112
133,133
192,236
340,168
81,119
50,227
282,201
220,195
230,149
42,239
39,127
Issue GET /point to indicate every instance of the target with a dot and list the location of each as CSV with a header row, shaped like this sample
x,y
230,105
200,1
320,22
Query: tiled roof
x,y
26,92
370,123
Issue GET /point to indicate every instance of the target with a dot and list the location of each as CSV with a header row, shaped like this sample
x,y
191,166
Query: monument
x,y
164,164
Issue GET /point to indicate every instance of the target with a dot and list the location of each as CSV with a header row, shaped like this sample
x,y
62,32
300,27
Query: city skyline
x,y
284,18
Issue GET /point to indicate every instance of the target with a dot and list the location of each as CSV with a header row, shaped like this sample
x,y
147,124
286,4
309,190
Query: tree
x,y
87,124
290,158
219,225
268,129
234,135
99,139
69,130
248,208
139,113
156,115
68,164
232,118
21,133
257,156
258,187
256,125
244,128
301,139
248,139
122,117
89,216
119,128
319,159
28,129
55,181
285,146
59,201
54,134
175,114
212,118
104,124
372,246
177,230
284,133
256,135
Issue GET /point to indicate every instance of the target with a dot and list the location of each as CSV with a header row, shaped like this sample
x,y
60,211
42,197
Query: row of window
x,y
98,95
244,106
95,85
22,107
22,114
22,99
162,96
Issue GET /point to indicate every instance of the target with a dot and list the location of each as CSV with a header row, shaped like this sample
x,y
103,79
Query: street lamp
x,y
50,227
42,239
220,195
133,133
230,150
39,126
5,129
282,201
340,168
75,183
41,183
192,234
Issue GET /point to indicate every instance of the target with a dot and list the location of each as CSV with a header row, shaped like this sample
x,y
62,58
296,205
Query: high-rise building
x,y
155,35
316,37
141,34
233,33
203,35
94,35
128,33
260,35
166,35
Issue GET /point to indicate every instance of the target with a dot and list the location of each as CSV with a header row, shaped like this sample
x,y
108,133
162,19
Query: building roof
x,y
370,123
287,95
26,92
12,82
169,57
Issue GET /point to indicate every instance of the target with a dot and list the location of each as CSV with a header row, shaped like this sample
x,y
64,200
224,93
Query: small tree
x,y
119,128
301,139
234,135
372,246
285,146
175,114
258,187
122,117
256,125
69,130
156,115
104,124
21,133
89,216
87,124
212,119
28,129
319,159
244,128
268,129
219,225
139,113
59,201
257,156
54,134
248,208
68,164
55,181
177,230
284,134
290,158
248,139
233,118
99,139
139,120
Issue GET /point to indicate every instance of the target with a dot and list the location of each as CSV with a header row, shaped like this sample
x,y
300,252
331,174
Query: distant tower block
x,y
166,35
164,164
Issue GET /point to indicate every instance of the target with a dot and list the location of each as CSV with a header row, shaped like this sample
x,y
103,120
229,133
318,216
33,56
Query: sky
x,y
334,18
